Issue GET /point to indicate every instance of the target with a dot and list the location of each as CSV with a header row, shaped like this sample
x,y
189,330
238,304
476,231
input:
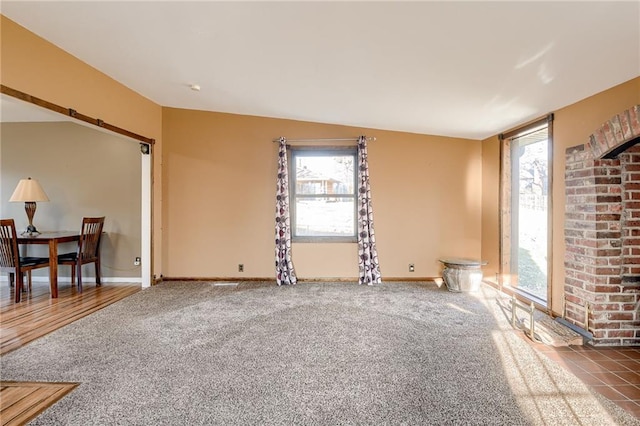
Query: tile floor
x,y
614,372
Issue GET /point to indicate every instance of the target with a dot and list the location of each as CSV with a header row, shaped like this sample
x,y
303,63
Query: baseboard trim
x,y
162,279
411,279
327,280
88,280
303,280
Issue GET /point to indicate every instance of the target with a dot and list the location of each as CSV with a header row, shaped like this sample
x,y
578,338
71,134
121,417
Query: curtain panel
x,y
285,273
369,267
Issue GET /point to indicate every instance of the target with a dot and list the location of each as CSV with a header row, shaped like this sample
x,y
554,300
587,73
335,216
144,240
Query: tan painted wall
x,y
426,204
220,172
572,126
35,66
491,206
84,172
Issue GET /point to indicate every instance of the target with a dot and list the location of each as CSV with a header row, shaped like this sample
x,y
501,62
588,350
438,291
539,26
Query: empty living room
x,y
320,213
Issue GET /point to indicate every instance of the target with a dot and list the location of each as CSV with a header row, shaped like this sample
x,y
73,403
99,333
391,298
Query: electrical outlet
x,y
137,261
240,267
412,268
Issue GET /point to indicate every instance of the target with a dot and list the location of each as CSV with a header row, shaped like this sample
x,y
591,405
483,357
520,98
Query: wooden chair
x,y
10,260
88,250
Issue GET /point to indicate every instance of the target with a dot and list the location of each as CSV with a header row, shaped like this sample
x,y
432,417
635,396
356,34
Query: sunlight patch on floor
x,y
458,308
224,283
536,390
539,393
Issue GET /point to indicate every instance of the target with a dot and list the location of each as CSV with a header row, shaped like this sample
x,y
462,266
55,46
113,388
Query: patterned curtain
x,y
285,274
367,252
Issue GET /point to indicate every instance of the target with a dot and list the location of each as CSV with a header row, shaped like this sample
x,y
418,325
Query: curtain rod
x,y
369,139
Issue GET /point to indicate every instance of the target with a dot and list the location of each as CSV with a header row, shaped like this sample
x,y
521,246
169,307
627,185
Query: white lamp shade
x,y
28,190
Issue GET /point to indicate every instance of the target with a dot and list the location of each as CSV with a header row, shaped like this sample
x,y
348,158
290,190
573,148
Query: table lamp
x,y
29,191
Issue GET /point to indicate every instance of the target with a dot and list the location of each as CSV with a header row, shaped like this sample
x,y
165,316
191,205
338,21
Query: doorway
x,y
127,238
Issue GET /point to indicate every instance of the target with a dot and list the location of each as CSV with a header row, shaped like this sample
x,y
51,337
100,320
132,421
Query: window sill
x,y
324,240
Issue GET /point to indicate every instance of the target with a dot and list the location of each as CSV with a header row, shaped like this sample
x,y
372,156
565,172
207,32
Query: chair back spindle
x,y
9,255
90,238
10,260
88,250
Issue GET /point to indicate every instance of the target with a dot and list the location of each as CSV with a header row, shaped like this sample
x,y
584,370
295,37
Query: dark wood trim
x,y
410,279
70,112
152,249
520,130
501,206
550,252
301,280
505,140
327,280
164,279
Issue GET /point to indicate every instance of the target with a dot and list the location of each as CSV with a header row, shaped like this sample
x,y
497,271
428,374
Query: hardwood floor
x,y
36,315
23,401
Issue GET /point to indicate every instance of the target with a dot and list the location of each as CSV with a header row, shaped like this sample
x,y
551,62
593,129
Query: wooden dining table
x,y
52,239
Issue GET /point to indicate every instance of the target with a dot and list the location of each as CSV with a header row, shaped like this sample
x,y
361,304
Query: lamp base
x,y
30,208
31,230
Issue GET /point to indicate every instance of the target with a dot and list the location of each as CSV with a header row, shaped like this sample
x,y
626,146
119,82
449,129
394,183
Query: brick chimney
x,y
602,232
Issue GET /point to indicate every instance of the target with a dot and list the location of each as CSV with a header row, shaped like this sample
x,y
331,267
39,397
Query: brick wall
x,y
602,232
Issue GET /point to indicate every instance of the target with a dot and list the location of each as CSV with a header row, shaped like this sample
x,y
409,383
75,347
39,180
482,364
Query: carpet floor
x,y
315,353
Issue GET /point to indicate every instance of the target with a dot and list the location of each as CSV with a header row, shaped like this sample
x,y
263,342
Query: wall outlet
x,y
240,267
412,268
136,262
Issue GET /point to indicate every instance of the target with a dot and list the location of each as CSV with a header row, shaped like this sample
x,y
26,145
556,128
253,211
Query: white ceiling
x,y
463,69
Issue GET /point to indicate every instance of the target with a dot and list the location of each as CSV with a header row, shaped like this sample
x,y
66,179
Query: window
x,y
526,214
323,194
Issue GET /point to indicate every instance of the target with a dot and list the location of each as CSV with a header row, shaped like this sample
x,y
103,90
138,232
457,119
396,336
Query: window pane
x,y
324,174
530,205
324,217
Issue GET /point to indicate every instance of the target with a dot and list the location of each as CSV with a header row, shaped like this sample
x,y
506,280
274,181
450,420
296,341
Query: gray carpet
x,y
327,353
